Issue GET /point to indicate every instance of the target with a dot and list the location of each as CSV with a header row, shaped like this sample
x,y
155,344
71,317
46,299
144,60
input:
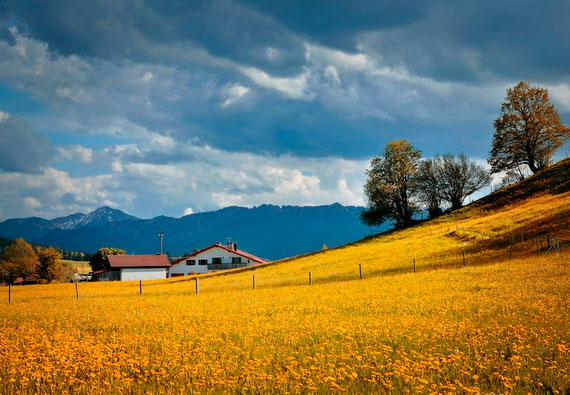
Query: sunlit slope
x,y
498,325
523,215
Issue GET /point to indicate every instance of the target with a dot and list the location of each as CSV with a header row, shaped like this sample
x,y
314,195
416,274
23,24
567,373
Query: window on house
x,y
236,259
190,262
202,262
216,261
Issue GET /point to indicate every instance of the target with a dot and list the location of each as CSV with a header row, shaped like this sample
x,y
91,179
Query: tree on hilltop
x,y
390,185
429,186
459,178
449,178
528,131
99,260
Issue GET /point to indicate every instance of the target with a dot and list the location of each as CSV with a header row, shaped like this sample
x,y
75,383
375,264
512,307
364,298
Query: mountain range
x,y
268,231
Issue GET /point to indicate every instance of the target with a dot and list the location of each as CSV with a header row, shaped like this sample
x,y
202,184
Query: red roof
x,y
134,261
224,247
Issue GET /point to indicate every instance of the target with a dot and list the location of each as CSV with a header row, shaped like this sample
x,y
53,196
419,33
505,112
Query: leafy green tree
x,y
528,131
18,260
390,186
99,260
50,266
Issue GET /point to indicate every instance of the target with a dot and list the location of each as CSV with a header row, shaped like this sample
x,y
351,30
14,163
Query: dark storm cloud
x,y
156,31
481,40
21,149
459,41
336,23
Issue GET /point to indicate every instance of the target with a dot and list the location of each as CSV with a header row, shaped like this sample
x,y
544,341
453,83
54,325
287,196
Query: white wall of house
x,y
216,252
147,273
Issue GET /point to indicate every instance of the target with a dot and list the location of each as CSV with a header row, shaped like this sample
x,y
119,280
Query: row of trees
x,y
400,182
528,133
21,260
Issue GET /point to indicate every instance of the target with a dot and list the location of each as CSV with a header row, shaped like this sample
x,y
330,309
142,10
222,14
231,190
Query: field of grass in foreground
x,y
498,325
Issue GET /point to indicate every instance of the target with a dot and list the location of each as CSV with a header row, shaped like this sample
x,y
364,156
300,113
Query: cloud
x,y
292,87
53,193
247,102
473,41
234,93
76,153
155,33
331,73
188,211
208,179
21,149
560,94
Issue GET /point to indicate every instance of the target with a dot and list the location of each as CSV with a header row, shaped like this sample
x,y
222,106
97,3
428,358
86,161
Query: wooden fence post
x,y
511,252
76,291
360,270
140,287
310,278
414,265
253,281
513,240
537,246
197,286
464,260
9,293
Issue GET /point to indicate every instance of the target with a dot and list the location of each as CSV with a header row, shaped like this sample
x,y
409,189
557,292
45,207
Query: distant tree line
x,y
399,183
22,260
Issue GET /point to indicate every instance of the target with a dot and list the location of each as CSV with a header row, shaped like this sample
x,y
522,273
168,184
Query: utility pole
x,y
161,235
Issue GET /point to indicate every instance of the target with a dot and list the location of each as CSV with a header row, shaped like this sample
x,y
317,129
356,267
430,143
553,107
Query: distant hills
x,y
269,231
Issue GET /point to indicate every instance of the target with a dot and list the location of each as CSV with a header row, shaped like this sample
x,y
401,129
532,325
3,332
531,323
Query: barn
x,y
134,267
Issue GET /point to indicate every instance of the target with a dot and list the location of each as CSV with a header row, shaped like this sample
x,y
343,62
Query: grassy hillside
x,y
498,324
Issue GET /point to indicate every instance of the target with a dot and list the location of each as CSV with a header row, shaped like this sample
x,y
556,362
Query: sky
x,y
177,107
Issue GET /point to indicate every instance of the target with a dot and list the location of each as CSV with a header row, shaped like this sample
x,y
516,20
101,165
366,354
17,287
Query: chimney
x,y
235,246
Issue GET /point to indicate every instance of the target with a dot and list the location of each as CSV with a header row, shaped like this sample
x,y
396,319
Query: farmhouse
x,y
215,257
134,267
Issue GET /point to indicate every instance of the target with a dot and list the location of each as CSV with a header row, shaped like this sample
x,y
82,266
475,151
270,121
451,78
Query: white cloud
x,y
561,96
32,203
321,54
331,73
234,93
76,153
4,116
205,179
211,178
223,199
59,194
292,87
188,211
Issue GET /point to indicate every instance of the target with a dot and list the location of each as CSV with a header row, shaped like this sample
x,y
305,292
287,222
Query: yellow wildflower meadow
x,y
500,324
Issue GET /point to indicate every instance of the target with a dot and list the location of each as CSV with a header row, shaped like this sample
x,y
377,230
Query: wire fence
x,y
515,245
